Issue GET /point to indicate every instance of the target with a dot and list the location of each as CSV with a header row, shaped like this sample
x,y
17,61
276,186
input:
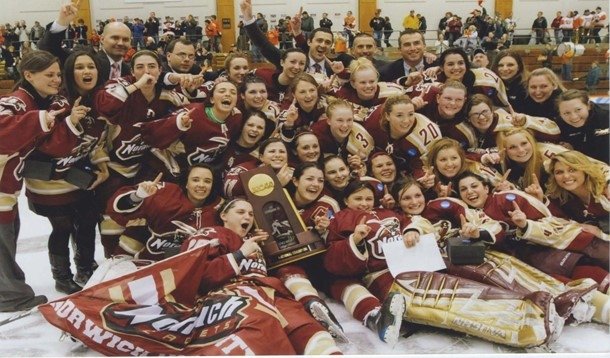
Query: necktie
x,y
115,70
317,68
412,69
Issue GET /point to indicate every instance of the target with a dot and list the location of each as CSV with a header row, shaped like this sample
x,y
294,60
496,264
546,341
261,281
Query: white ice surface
x,y
33,336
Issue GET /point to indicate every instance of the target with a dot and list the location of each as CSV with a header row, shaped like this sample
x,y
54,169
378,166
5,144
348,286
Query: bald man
x,y
115,41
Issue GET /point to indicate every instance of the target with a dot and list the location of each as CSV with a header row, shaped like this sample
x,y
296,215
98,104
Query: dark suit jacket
x,y
394,70
51,42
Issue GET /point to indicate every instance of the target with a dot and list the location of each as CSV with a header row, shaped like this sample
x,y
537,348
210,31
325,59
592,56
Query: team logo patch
x,y
213,318
511,197
412,152
445,204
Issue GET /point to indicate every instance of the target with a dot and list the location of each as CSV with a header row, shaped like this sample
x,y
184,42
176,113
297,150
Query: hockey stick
x,y
18,316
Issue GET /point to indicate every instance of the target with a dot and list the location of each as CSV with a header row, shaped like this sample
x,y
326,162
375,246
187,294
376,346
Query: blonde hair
x,y
550,75
336,103
361,64
448,143
453,84
595,180
388,105
533,165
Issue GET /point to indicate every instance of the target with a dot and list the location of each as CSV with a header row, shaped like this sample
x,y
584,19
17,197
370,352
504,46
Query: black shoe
x,y
386,321
320,311
67,286
82,277
26,305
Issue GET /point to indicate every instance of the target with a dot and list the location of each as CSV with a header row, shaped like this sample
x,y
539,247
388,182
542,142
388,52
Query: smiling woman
x,y
168,210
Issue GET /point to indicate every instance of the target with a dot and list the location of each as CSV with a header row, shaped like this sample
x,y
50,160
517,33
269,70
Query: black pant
x,y
77,220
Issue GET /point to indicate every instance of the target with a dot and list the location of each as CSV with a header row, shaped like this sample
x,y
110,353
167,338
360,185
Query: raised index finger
x,y
535,179
158,178
362,221
77,102
506,174
516,206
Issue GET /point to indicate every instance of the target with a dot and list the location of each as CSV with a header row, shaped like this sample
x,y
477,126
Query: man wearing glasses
x,y
180,55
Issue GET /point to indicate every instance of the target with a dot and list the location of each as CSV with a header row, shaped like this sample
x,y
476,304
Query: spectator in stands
x,y
152,26
593,77
349,27
454,29
190,28
306,24
440,45
423,25
325,21
480,59
9,61
377,23
211,31
599,22
243,42
489,42
26,47
539,27
22,33
80,32
36,32
567,26
411,21
387,31
442,25
556,26
510,25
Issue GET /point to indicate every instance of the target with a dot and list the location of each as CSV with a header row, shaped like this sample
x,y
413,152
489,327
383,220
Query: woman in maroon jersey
x,y
563,248
448,159
305,109
273,153
305,148
65,201
253,95
127,103
168,209
235,263
27,116
255,128
355,256
364,89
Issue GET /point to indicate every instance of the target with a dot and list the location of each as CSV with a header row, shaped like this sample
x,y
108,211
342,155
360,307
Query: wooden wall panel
x,y
225,11
504,7
366,11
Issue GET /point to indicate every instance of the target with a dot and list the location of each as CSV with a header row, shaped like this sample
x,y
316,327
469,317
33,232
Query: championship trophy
x,y
274,212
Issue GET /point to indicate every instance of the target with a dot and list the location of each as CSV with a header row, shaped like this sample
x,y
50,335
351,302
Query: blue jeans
x,y
378,35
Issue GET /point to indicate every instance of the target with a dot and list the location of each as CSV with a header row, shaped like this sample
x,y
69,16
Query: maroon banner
x,y
156,311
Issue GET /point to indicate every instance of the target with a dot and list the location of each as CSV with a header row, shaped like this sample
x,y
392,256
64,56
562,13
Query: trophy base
x,y
309,245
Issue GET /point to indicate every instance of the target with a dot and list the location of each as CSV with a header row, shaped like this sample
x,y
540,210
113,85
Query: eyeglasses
x,y
184,56
476,115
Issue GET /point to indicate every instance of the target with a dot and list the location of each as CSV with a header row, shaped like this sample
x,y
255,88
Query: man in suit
x,y
115,41
412,47
181,60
